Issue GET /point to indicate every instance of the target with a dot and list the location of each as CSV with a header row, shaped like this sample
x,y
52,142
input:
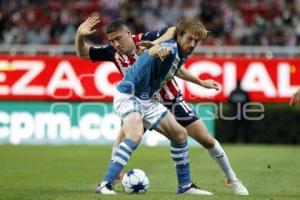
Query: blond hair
x,y
191,24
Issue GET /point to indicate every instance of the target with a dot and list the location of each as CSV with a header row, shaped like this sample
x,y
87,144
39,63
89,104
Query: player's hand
x,y
295,100
88,26
163,53
145,44
210,84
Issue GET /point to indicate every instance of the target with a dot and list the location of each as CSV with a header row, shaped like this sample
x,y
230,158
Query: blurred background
x,y
50,96
231,22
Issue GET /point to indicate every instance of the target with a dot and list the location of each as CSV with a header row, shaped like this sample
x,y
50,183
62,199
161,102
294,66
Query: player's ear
x,y
179,37
129,33
127,30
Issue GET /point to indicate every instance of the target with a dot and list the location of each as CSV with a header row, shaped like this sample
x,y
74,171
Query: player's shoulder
x,y
151,35
102,52
169,44
138,37
104,47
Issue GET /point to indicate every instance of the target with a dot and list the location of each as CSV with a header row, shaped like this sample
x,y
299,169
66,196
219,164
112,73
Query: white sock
x,y
218,154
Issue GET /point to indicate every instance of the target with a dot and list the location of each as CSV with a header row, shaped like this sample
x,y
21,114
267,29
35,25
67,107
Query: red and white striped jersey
x,y
123,62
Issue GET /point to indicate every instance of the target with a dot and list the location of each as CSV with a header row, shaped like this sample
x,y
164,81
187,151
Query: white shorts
x,y
152,111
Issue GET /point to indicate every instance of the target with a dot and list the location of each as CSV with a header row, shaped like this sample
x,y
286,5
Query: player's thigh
x,y
182,111
199,132
156,116
128,109
186,116
169,127
132,125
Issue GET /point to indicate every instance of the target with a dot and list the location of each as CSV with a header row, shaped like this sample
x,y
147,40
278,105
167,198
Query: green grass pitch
x,y
72,172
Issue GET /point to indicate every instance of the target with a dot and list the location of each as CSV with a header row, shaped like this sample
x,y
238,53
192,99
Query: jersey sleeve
x,y
153,35
102,53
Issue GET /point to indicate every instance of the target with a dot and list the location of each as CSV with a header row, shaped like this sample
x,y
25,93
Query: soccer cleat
x,y
193,189
237,186
105,188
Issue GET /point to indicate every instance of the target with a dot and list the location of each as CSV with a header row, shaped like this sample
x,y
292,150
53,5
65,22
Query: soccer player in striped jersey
x,y
123,51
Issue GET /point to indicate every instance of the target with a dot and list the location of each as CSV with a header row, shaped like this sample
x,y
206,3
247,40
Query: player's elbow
x,y
78,54
82,54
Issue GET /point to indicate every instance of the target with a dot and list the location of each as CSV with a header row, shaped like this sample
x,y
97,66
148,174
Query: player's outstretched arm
x,y
85,29
187,76
295,100
168,35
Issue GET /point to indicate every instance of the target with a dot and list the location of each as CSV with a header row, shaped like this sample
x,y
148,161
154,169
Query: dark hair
x,y
192,24
115,25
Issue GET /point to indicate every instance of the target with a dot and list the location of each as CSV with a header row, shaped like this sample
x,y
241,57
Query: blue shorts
x,y
182,112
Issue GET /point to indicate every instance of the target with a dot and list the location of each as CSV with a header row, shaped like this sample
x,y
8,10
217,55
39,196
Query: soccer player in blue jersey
x,y
124,47
136,107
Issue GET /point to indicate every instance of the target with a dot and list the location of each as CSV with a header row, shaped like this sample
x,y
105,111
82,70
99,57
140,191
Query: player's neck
x,y
131,50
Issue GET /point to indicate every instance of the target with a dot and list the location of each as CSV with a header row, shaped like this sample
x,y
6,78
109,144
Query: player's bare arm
x,y
168,35
165,37
187,76
85,29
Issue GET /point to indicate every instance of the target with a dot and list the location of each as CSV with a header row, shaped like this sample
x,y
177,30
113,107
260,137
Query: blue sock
x,y
122,155
180,156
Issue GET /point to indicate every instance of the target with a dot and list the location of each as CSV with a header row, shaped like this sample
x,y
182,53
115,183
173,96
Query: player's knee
x,y
133,127
137,138
208,142
180,137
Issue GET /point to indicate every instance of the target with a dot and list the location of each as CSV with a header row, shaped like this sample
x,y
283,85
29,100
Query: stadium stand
x,y
231,22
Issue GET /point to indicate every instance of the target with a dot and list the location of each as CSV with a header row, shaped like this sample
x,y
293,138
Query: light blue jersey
x,y
148,74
